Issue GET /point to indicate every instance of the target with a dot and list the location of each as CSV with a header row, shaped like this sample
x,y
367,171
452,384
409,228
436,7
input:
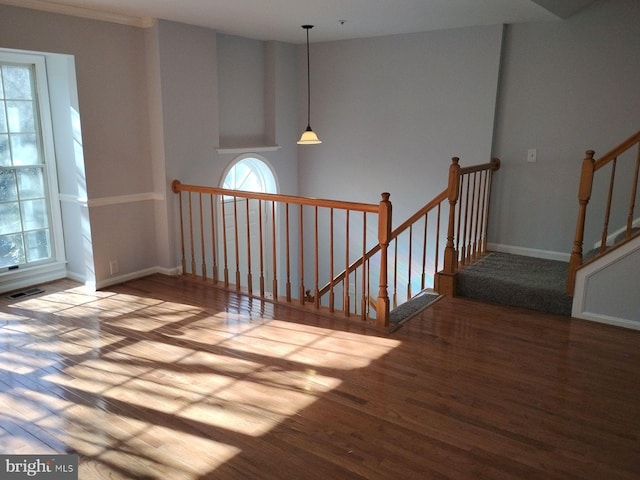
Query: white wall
x,y
392,111
565,87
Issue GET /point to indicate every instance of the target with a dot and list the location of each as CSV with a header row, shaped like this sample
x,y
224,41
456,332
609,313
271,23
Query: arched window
x,y
249,173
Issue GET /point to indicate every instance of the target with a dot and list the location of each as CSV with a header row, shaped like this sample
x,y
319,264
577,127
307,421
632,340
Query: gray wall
x,y
392,111
112,100
565,87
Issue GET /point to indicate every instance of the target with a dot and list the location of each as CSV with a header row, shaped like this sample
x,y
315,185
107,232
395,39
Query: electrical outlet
x,y
113,267
532,155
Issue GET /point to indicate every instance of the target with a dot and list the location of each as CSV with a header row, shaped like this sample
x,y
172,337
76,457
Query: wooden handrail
x,y
178,187
587,174
616,152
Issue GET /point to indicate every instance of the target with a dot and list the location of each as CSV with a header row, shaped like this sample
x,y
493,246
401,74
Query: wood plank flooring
x,y
163,378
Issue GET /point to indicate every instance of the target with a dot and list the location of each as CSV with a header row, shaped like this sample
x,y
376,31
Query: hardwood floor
x,y
163,378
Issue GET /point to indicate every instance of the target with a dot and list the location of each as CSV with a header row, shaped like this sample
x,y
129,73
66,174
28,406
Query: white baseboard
x,y
134,275
529,252
618,322
26,280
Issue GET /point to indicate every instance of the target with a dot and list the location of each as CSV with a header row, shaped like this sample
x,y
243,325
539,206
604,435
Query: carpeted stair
x,y
528,282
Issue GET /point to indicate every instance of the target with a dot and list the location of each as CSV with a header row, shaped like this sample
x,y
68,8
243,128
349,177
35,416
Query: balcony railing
x,y
340,258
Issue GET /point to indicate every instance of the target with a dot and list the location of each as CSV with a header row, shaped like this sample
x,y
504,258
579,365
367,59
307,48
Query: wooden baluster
x,y
175,186
301,248
214,240
202,247
394,298
584,195
346,307
446,277
368,262
274,253
384,234
409,260
364,300
464,254
288,253
224,243
634,191
249,274
495,166
607,214
459,237
331,275
261,244
423,278
191,240
436,260
237,240
475,214
483,211
316,261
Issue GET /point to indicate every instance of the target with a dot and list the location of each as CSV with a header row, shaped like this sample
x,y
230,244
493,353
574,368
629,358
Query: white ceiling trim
x,y
141,22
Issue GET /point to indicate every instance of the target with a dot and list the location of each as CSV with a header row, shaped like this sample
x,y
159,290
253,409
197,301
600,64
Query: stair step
x,y
517,280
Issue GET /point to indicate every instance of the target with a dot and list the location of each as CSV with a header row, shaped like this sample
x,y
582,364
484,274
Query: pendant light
x,y
308,137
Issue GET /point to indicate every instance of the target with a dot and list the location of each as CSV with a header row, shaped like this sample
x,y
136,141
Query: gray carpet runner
x,y
528,282
412,307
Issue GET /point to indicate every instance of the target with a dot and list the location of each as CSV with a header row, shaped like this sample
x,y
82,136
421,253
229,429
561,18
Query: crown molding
x,y
51,7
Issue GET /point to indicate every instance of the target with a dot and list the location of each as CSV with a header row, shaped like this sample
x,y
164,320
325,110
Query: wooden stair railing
x,y
470,189
257,243
426,221
466,236
590,167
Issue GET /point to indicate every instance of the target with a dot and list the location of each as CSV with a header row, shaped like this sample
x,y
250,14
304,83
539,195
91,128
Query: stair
x,y
516,280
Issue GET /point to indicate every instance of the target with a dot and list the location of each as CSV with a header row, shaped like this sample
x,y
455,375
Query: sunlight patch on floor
x,y
198,380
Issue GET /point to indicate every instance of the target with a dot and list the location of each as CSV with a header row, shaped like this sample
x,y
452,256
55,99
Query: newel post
x,y
584,194
446,279
384,235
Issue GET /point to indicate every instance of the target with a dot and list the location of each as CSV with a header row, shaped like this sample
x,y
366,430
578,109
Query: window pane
x,y
24,148
17,82
34,213
37,245
8,190
11,250
31,183
20,117
5,154
9,218
3,119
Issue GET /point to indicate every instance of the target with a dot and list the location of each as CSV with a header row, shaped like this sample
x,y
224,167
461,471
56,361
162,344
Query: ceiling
x,y
281,20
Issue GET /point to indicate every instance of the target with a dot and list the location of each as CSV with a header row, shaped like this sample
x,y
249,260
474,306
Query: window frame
x,y
47,147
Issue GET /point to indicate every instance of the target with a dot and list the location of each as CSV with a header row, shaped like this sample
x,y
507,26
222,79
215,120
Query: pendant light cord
x,y
307,28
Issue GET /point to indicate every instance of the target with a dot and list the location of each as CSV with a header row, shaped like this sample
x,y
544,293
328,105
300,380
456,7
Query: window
x,y
28,224
249,174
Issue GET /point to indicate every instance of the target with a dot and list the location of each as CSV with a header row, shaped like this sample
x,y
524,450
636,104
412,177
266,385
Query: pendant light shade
x,y
308,137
